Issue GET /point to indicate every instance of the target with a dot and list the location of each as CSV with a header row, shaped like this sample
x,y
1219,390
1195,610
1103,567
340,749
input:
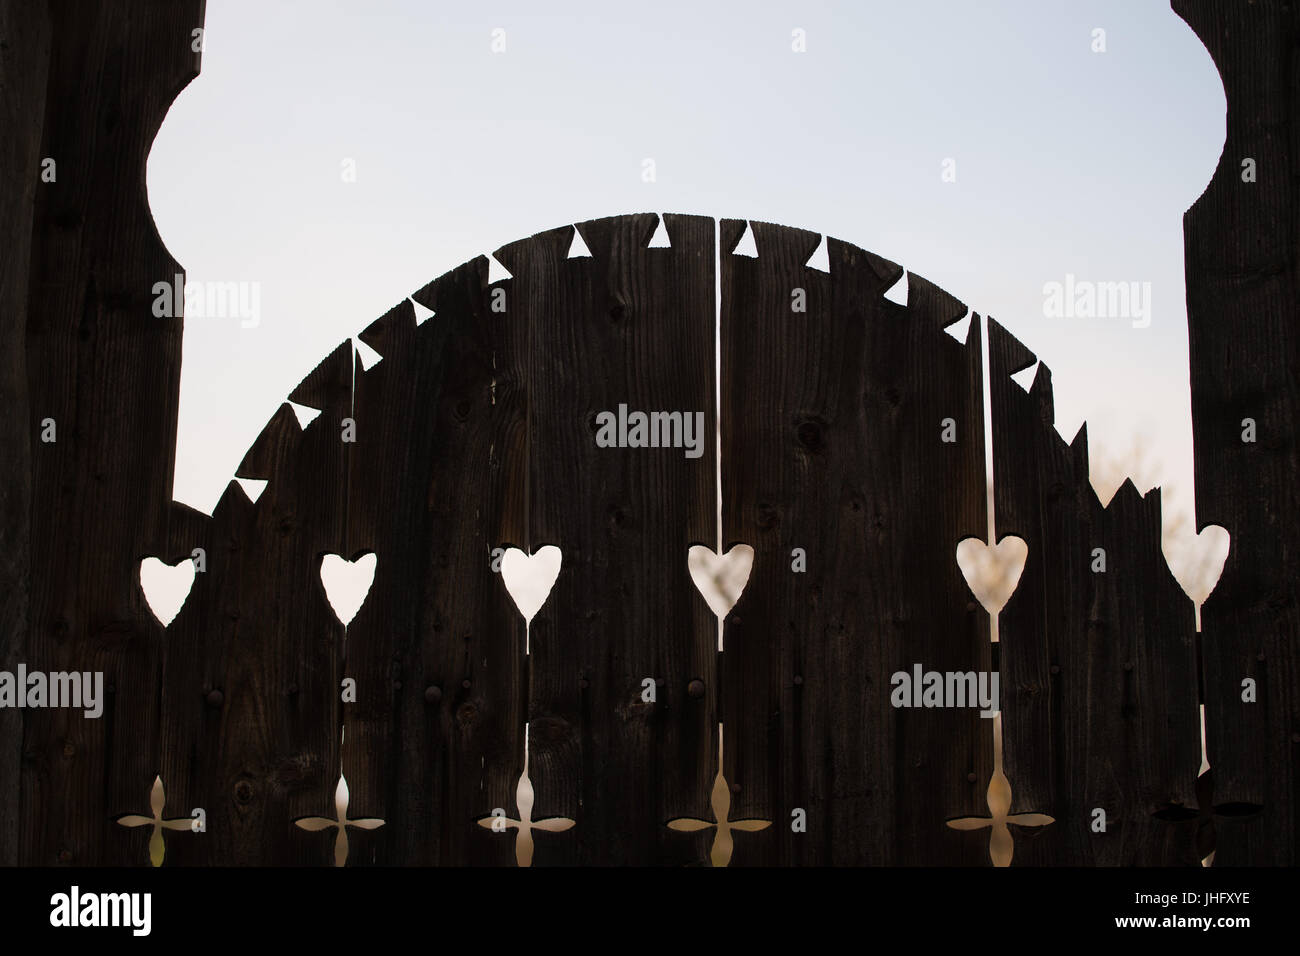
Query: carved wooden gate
x,y
851,459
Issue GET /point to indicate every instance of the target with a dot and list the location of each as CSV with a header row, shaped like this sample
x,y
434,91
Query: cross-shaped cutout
x,y
1000,829
498,822
998,797
157,800
1206,834
723,844
316,824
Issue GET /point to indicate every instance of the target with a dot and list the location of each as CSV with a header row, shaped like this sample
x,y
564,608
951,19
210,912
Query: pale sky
x,y
1067,161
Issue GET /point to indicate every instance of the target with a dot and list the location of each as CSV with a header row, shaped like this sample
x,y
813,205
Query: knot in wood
x,y
809,434
618,517
466,715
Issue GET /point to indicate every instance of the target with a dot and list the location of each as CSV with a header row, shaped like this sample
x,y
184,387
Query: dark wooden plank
x,y
258,630
196,647
832,443
107,370
635,326
1243,313
435,739
1100,702
24,66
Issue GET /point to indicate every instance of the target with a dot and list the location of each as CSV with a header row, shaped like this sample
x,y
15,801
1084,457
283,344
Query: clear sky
x,y
1067,161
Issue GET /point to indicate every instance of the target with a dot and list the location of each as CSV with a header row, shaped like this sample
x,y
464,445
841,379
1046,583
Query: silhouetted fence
x,y
573,404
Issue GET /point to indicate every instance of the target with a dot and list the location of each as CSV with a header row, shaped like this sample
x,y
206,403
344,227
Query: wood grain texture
x,y
831,430
1100,701
106,369
476,431
258,630
627,325
24,67
435,739
1243,304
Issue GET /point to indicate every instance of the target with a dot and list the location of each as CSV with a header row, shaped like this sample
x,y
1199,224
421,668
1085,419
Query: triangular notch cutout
x,y
746,246
660,238
897,293
578,249
253,487
496,271
960,329
821,258
1025,377
421,313
369,357
305,414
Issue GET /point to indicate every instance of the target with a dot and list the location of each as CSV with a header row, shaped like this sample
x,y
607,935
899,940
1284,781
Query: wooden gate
x,y
844,441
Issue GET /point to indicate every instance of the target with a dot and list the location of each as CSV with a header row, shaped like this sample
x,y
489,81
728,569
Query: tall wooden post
x,y
92,418
1243,313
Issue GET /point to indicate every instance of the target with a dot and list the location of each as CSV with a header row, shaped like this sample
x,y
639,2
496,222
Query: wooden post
x,y
1243,316
105,370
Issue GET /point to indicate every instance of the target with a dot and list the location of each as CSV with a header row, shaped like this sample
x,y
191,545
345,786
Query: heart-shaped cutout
x,y
721,578
529,578
1196,560
347,582
166,586
992,571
